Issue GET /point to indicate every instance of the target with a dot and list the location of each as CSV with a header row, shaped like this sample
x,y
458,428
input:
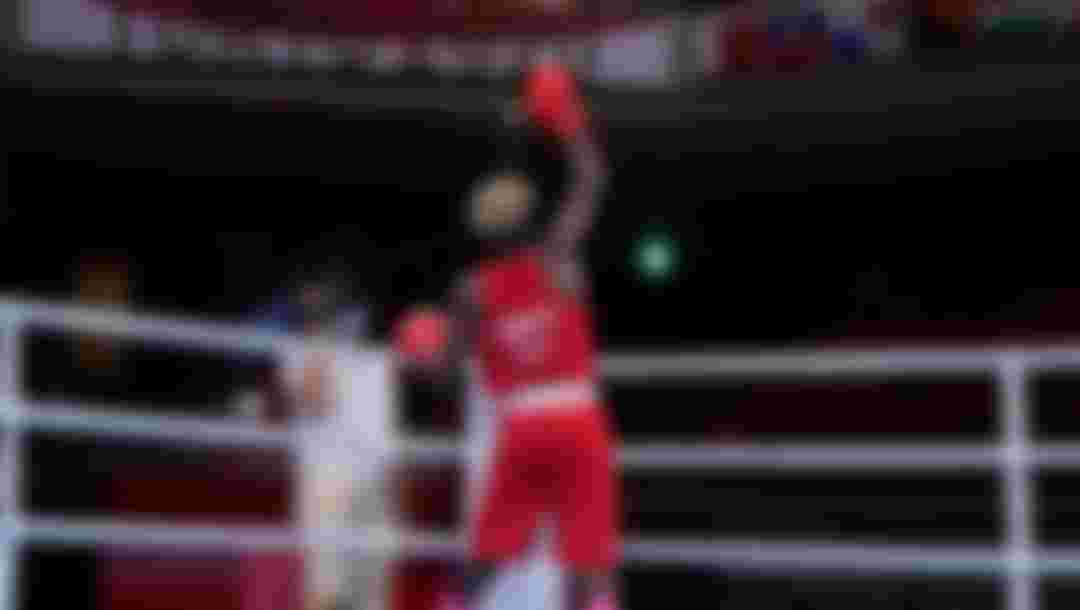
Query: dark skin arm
x,y
576,213
579,207
578,210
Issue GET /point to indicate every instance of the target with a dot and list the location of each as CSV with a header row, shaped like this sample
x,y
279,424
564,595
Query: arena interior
x,y
833,279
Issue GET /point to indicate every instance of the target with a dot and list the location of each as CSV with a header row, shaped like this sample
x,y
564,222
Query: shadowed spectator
x,y
1015,32
849,45
105,281
799,42
950,23
936,26
747,41
789,42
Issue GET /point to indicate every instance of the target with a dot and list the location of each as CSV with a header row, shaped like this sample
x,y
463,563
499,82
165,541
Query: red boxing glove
x,y
421,337
552,100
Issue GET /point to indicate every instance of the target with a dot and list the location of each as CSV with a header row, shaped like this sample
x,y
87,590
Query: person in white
x,y
342,398
534,582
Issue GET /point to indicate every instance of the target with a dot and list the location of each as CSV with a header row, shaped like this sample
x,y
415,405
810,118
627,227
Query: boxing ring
x,y
1018,561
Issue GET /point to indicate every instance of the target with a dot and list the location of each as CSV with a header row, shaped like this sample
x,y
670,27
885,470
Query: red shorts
x,y
559,463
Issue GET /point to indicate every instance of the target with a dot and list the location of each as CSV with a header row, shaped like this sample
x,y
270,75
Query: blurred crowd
x,y
1004,30
762,39
772,36
612,41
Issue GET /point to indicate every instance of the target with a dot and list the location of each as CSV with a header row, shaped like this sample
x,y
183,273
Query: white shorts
x,y
338,493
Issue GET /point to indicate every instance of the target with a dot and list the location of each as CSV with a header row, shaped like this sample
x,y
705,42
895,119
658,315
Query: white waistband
x,y
559,395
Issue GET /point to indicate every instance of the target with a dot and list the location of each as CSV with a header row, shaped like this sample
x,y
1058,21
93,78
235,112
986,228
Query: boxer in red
x,y
524,317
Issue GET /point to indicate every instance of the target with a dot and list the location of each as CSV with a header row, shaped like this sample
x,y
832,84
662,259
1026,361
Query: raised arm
x,y
578,210
551,99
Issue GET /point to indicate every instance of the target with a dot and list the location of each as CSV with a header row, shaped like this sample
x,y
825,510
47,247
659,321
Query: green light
x,y
656,257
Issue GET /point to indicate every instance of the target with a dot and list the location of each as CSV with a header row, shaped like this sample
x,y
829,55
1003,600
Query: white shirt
x,y
355,432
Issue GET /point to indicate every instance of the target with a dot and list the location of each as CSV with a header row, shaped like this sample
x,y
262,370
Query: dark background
x,y
855,205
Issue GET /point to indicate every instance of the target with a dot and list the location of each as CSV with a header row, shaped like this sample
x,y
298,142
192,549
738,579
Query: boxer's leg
x,y
589,513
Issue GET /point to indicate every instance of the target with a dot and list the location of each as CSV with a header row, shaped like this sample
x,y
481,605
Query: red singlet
x,y
534,339
554,446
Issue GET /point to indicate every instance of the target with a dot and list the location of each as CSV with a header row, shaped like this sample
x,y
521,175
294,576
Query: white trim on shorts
x,y
578,394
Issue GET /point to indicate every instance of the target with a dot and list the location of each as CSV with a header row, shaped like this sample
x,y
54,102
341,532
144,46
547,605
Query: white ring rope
x,y
728,554
626,368
801,364
67,418
161,330
808,556
202,431
106,532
